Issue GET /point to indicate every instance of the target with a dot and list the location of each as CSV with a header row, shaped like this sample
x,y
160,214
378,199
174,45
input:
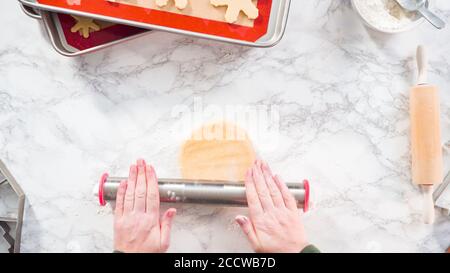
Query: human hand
x,y
275,224
138,226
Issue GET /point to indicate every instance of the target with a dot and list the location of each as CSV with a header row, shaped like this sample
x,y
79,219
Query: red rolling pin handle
x,y
306,201
101,197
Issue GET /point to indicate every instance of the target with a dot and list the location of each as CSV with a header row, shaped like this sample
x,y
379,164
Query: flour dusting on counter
x,y
385,14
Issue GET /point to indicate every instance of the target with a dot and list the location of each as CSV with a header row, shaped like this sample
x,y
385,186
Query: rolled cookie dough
x,y
219,151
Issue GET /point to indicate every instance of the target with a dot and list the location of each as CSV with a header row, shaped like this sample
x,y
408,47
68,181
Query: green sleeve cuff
x,y
310,249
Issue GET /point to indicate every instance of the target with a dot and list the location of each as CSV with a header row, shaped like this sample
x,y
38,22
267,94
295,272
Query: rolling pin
x,y
221,193
426,150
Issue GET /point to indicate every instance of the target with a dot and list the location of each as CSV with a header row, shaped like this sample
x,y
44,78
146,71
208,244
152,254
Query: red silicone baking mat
x,y
172,20
108,34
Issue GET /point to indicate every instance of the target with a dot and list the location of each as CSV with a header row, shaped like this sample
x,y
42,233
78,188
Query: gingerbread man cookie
x,y
84,26
234,7
180,4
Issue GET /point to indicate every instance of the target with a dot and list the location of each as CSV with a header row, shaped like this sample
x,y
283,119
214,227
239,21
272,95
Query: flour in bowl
x,y
385,14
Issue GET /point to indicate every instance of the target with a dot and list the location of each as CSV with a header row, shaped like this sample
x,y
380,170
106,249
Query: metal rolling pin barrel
x,y
200,191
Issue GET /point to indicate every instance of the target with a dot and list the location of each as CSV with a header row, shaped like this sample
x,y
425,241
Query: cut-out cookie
x,y
84,26
234,7
180,4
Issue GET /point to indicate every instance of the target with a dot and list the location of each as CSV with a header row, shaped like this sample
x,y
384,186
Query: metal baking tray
x,y
276,23
57,38
11,222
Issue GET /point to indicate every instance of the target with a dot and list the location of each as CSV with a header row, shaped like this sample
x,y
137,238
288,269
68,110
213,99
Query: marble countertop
x,y
341,92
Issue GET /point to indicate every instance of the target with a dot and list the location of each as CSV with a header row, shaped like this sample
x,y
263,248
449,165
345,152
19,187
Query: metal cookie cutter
x,y
11,223
441,195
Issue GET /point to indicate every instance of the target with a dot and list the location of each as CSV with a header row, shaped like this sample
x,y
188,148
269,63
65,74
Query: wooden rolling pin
x,y
427,161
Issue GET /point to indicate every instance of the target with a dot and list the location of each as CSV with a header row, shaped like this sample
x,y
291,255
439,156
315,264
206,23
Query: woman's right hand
x,y
274,225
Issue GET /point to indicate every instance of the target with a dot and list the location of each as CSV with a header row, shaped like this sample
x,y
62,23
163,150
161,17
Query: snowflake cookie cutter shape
x,y
234,7
84,26
11,223
180,4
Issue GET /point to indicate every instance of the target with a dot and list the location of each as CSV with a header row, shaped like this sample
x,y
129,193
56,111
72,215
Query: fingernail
x,y
279,180
149,170
172,213
264,165
141,162
241,220
275,179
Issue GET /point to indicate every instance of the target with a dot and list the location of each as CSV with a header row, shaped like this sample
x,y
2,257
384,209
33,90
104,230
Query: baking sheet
x,y
107,34
267,30
62,45
170,19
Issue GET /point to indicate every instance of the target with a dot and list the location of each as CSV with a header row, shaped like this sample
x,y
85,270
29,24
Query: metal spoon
x,y
419,6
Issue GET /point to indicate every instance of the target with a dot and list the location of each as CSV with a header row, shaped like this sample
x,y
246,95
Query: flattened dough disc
x,y
219,151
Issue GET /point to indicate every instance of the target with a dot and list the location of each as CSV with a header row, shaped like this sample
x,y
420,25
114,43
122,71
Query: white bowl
x,y
419,20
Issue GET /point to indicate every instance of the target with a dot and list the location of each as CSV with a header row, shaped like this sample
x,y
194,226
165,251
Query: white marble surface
x,y
342,95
